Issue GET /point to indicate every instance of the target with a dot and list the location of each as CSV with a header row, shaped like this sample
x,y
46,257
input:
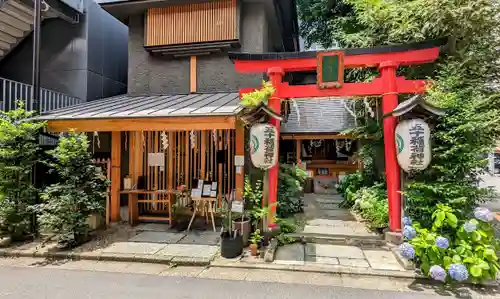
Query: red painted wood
x,y
413,57
276,77
374,88
392,170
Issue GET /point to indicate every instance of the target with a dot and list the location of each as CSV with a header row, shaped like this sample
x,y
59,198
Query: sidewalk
x,y
332,241
150,272
149,243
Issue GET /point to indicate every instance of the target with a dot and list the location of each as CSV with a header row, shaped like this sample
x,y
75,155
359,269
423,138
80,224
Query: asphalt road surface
x,y
27,283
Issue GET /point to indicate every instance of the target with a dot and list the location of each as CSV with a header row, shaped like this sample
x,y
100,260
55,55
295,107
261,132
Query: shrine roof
x,y
318,115
347,52
130,106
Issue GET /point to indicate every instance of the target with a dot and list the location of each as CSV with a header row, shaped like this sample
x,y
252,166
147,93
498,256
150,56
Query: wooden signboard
x,y
330,69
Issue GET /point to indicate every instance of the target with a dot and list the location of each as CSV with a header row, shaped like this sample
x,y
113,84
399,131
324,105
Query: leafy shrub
x,y
80,192
371,203
348,187
287,226
19,152
290,185
454,249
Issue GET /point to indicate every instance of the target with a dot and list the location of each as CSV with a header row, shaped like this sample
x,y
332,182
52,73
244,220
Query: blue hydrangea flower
x,y
437,273
458,272
406,221
442,242
407,251
483,214
409,232
469,227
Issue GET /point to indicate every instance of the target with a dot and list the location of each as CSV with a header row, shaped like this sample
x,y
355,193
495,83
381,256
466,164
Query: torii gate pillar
x,y
392,170
275,76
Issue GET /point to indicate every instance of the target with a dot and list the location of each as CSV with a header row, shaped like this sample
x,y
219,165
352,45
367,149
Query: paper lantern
x,y
413,144
264,146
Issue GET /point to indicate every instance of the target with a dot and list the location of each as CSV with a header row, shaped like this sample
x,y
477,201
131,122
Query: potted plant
x,y
259,221
231,239
255,241
241,223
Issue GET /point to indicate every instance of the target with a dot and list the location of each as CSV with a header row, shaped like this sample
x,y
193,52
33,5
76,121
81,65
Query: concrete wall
x,y
215,73
87,60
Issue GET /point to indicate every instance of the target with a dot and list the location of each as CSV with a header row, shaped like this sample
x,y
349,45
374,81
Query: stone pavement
x,y
326,219
328,255
157,241
151,243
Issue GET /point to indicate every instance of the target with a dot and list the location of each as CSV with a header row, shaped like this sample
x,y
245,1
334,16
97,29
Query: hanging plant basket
x,y
258,114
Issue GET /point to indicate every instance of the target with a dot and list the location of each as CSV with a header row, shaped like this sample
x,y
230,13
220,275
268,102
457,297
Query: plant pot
x,y
231,247
95,221
262,253
244,227
253,249
5,241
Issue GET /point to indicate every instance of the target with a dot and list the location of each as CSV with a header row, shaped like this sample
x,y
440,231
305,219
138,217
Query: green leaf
x,y
476,271
484,265
447,261
425,267
451,219
440,216
490,254
460,250
476,236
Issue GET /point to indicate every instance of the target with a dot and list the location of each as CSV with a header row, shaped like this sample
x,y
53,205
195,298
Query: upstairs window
x,y
204,27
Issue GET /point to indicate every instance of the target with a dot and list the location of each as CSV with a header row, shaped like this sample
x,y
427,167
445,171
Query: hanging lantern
x,y
413,144
264,145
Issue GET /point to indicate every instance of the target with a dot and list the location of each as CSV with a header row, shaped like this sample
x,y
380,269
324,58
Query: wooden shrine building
x,y
164,145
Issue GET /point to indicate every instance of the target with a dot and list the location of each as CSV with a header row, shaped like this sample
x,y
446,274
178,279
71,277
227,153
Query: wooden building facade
x,y
177,125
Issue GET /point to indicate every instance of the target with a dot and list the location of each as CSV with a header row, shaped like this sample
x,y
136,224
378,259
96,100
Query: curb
x,y
115,257
333,269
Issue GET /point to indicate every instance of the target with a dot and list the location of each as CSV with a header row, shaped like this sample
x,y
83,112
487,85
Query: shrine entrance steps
x,y
327,223
334,239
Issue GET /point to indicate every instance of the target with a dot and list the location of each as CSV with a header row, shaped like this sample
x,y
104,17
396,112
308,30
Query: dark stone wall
x,y
215,73
149,74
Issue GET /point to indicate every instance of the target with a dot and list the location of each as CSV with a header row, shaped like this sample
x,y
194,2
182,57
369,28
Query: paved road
x,y
28,283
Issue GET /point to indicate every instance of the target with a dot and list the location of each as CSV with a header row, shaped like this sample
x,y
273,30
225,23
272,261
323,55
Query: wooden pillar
x,y
298,149
392,170
276,76
203,153
116,156
171,160
192,74
240,170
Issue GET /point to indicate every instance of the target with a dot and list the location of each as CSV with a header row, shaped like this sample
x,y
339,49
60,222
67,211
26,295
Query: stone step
x,y
340,239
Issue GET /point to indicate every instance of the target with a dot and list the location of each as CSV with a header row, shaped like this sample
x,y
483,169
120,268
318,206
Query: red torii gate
x,y
388,85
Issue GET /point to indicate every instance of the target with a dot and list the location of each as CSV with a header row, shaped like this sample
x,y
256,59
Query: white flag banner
x,y
413,144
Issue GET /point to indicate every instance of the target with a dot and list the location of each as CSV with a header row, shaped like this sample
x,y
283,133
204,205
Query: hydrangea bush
x,y
453,249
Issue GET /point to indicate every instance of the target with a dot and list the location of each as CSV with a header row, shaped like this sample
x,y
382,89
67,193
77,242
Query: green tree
x,y
463,82
81,191
19,152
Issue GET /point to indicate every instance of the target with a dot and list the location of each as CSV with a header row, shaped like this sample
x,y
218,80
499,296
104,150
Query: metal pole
x,y
35,99
35,103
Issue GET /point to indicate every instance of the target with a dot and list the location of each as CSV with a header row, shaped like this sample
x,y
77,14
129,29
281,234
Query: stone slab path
x,y
325,218
325,255
158,240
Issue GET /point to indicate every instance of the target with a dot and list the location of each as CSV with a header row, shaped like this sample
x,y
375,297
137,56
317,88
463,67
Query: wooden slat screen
x,y
191,23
